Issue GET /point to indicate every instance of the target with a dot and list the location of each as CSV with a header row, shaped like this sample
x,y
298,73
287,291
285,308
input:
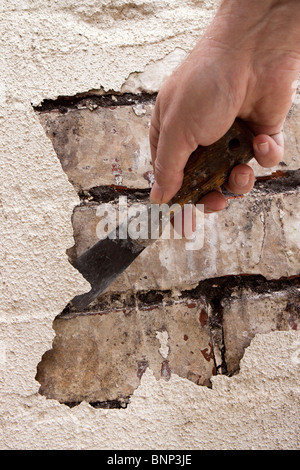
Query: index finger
x,y
170,151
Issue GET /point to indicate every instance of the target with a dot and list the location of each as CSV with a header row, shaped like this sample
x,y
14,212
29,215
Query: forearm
x,y
257,25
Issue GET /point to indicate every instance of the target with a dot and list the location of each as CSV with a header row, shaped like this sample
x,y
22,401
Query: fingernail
x,y
156,194
242,180
263,148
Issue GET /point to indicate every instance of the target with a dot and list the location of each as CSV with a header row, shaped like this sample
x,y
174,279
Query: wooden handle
x,y
209,167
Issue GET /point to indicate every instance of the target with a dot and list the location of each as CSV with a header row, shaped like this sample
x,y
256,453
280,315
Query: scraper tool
x,y
207,168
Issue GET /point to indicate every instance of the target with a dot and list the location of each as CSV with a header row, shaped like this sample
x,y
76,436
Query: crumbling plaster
x,y
58,48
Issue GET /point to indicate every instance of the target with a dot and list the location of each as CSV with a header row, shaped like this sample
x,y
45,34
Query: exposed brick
x,y
256,234
108,145
104,140
101,357
168,311
105,146
247,313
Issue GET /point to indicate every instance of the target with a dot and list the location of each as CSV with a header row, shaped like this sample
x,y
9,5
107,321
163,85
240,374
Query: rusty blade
x,y
102,264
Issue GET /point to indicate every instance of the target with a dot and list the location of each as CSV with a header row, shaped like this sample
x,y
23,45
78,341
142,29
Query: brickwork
x,y
190,313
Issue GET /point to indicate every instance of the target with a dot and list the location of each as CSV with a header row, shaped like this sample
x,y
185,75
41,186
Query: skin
x,y
246,65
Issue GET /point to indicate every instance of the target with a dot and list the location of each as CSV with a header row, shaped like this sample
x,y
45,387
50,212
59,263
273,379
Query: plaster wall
x,y
58,48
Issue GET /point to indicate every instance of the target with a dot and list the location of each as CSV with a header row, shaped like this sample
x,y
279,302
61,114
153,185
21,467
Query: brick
x,y
100,146
247,313
242,239
107,145
102,357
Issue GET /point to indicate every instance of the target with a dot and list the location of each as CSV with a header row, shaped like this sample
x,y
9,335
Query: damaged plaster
x,y
62,49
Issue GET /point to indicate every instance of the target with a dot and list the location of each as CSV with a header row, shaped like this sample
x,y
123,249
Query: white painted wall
x,y
51,48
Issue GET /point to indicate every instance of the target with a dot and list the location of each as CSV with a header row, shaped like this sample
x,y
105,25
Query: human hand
x,y
240,68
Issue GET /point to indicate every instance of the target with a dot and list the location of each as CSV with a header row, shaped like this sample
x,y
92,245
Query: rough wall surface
x,y
65,49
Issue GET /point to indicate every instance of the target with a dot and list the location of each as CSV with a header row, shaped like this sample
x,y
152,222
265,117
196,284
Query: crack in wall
x,y
111,194
91,100
263,221
277,182
214,290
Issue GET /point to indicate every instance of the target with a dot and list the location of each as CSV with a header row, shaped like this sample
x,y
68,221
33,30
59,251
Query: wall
x,y
241,388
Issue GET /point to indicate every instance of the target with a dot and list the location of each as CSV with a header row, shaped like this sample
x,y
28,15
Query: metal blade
x,y
102,264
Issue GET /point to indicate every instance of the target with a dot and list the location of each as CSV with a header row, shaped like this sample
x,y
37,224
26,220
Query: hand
x,y
236,70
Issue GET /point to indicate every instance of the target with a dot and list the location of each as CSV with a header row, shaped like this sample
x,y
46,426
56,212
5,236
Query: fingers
x,y
213,202
185,223
171,158
269,150
241,180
